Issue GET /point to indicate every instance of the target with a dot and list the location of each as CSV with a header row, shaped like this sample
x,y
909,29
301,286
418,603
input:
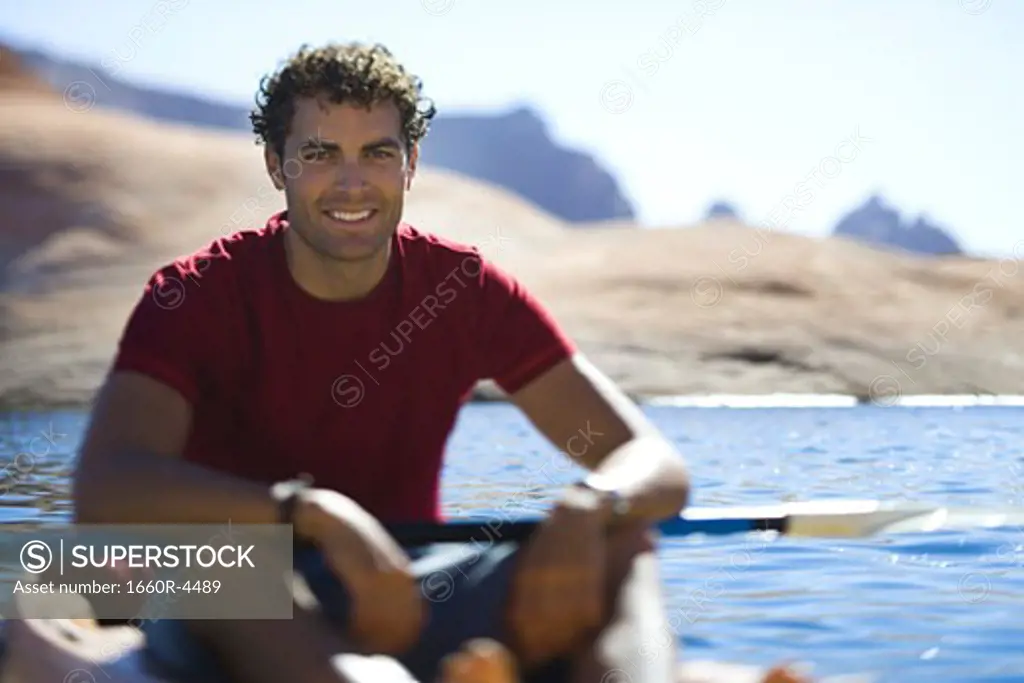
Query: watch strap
x,y
618,504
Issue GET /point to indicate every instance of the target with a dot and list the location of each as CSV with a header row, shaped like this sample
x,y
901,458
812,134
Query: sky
x,y
805,104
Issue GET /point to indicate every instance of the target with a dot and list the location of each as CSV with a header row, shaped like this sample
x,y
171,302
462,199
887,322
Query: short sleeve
x,y
168,333
517,338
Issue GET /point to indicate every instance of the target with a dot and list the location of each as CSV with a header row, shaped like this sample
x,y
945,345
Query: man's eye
x,y
382,154
313,154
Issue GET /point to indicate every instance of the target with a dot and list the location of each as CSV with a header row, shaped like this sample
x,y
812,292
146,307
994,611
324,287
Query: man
x,y
280,356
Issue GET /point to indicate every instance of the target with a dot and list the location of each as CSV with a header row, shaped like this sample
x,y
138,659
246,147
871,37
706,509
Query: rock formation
x,y
880,225
721,209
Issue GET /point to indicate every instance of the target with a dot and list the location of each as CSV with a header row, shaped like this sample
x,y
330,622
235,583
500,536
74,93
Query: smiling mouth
x,y
350,217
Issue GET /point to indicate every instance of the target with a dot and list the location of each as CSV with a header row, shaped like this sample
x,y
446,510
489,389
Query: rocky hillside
x,y
513,151
16,76
91,202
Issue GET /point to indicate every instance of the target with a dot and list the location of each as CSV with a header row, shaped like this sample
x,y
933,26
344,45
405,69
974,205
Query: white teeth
x,y
350,217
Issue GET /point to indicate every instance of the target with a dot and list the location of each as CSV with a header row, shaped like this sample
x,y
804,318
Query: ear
x,y
274,167
414,157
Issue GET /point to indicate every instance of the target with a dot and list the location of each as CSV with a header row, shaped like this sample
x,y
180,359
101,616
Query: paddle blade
x,y
859,519
839,519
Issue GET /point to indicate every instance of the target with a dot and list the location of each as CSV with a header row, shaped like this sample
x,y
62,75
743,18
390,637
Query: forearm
x,y
650,474
143,488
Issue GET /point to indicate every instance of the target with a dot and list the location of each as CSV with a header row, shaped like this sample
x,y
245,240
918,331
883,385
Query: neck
x,y
330,279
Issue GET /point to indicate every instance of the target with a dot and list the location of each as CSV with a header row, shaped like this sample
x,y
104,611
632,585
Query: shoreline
x,y
713,401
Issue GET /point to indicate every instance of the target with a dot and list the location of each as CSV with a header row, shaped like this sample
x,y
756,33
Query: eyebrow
x,y
384,143
380,143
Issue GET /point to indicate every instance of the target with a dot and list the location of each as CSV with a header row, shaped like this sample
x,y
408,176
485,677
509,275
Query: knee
x,y
630,540
629,549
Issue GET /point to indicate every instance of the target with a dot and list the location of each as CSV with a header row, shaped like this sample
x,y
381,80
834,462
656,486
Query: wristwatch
x,y
617,503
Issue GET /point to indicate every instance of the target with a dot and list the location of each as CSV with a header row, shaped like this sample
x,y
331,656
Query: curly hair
x,y
351,73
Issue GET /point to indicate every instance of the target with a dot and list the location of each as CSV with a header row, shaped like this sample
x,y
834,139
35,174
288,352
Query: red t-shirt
x,y
360,394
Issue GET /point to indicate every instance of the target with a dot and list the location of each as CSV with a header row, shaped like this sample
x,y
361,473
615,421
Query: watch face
x,y
621,505
600,485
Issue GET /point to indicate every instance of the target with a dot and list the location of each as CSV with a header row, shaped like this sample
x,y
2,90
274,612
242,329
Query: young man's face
x,y
345,171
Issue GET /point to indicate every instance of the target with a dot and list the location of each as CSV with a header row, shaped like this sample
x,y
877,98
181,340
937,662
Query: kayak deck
x,y
82,651
40,649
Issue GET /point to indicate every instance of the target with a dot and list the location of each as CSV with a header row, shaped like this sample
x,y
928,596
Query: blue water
x,y
922,607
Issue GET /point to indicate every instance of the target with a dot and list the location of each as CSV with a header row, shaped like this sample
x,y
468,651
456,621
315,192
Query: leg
x,y
637,644
307,647
463,586
268,651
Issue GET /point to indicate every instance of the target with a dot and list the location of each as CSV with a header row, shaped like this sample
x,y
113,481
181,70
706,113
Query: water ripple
x,y
915,608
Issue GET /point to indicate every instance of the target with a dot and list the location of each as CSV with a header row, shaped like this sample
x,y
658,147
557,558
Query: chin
x,y
347,241
352,253
354,247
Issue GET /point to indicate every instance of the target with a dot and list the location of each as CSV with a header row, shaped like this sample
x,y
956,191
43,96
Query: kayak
x,y
80,649
83,651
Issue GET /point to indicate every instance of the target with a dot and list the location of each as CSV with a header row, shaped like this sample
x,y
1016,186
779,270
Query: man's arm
x,y
584,414
131,470
522,347
131,467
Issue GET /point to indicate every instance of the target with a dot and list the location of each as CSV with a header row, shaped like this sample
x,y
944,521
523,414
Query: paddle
x,y
822,518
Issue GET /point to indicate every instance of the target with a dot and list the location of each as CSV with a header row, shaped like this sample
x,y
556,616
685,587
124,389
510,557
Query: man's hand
x,y
388,608
557,599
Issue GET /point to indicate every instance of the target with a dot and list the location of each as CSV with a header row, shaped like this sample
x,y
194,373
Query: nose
x,y
349,176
